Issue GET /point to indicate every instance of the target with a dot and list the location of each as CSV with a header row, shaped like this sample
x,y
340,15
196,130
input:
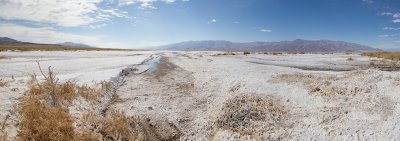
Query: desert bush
x,y
39,121
276,53
3,133
3,57
395,56
116,126
44,110
251,114
246,52
4,83
105,85
350,59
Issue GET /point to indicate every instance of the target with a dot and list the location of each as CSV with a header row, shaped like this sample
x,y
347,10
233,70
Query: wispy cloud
x,y
212,21
66,13
97,26
384,36
265,30
368,1
386,13
390,28
51,36
396,15
145,4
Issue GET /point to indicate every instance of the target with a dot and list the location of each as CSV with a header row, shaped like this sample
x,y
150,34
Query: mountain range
x,y
298,45
7,40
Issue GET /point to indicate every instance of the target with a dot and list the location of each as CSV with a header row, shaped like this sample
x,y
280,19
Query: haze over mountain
x,y
298,45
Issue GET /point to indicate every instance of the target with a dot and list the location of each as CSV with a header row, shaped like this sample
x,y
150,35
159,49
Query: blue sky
x,y
141,23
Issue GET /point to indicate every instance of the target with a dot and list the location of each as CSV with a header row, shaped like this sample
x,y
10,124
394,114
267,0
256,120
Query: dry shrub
x,y
3,57
105,85
225,53
62,93
251,114
3,133
4,83
395,56
88,93
44,110
357,89
116,126
246,52
277,53
350,59
38,121
350,84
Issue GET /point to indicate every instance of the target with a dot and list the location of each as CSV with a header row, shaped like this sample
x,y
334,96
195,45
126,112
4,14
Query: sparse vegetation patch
x,y
395,56
357,89
4,83
252,115
3,57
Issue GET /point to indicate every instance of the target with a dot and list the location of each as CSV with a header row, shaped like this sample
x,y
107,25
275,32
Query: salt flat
x,y
209,96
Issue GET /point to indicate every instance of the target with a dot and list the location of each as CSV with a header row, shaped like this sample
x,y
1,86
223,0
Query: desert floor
x,y
212,96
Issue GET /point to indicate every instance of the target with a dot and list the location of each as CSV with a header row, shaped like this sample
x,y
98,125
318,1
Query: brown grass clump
x,y
3,57
60,93
251,114
350,59
225,53
395,56
114,127
246,52
4,83
38,121
350,84
44,110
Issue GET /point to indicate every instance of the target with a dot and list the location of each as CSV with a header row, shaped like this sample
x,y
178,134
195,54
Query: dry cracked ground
x,y
209,96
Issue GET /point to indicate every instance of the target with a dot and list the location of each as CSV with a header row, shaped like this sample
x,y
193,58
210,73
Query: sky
x,y
145,23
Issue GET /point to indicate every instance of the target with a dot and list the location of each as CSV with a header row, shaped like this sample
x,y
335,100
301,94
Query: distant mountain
x,y
72,44
7,40
298,45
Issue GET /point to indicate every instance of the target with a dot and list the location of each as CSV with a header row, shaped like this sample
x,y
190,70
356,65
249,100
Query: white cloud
x,y
390,28
386,14
168,1
212,21
144,4
50,36
384,36
97,26
396,15
368,1
396,20
67,13
265,30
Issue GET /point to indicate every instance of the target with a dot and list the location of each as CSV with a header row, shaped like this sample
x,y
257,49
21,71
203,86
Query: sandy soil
x,y
205,96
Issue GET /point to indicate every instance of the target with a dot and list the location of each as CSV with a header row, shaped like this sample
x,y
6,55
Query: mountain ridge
x,y
7,40
298,45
